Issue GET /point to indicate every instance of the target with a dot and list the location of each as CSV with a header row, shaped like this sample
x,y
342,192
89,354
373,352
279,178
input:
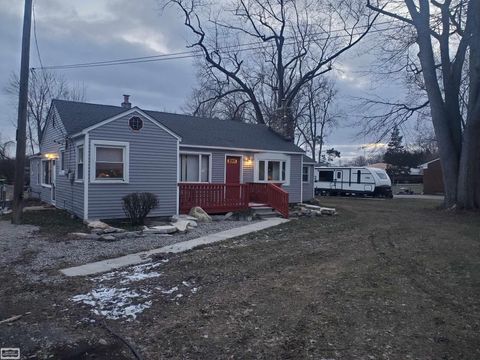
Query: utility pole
x,y
22,116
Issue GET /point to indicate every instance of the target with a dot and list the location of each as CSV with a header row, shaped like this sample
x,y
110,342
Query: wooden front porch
x,y
221,198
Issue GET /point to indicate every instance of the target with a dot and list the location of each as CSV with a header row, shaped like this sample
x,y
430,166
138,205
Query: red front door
x,y
232,176
232,172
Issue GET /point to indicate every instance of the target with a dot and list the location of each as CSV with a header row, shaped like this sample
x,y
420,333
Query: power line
x,y
196,53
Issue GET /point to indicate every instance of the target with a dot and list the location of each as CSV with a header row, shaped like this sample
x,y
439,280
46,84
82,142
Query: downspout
x,y
86,175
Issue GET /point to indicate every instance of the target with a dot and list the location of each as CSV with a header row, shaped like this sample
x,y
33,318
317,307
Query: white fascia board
x,y
126,113
241,149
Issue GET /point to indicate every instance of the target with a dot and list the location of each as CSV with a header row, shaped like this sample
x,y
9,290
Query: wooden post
x,y
22,116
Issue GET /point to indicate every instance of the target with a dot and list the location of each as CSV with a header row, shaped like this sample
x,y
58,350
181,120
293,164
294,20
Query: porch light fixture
x,y
50,156
248,160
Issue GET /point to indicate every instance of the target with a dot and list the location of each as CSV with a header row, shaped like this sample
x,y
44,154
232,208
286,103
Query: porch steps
x,y
264,211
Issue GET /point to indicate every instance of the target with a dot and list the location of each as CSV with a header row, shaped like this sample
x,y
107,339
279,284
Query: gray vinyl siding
x,y
218,162
308,186
152,168
294,188
69,195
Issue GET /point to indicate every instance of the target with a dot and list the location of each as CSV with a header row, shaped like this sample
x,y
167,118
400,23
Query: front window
x,y
195,167
47,172
109,163
79,162
305,174
272,170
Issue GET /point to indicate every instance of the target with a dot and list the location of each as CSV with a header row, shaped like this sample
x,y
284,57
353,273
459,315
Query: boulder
x,y
163,229
200,214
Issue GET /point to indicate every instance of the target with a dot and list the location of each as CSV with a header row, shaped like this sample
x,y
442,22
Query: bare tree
x,y
317,115
43,87
447,41
291,43
6,147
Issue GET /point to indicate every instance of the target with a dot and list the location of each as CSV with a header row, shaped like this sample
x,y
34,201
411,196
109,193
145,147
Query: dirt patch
x,y
392,279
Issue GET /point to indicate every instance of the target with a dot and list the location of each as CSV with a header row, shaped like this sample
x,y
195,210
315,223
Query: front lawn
x,y
52,223
385,279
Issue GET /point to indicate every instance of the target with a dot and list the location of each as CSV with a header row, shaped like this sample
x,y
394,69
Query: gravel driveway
x,y
39,257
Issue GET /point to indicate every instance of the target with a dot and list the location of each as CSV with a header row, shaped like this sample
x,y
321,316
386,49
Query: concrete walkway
x,y
144,256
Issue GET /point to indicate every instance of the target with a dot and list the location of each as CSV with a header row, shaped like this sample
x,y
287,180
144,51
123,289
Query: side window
x,y
359,176
339,174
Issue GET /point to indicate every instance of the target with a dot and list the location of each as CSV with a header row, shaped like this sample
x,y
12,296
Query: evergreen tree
x,y
396,157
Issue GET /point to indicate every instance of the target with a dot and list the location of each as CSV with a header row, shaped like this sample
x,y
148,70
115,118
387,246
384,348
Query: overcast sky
x,y
71,31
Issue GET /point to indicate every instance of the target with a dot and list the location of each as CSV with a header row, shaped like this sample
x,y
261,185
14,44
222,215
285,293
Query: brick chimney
x,y
126,104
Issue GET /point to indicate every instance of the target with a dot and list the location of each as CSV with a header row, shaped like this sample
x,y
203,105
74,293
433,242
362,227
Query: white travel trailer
x,y
352,181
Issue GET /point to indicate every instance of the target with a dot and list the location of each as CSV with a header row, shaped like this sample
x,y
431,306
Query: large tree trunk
x,y
468,195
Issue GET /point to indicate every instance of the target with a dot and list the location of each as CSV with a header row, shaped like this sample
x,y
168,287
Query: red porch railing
x,y
270,194
218,198
214,198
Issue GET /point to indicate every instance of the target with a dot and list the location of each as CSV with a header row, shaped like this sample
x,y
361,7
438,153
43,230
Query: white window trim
x,y
308,173
61,159
41,174
199,167
272,157
77,145
126,162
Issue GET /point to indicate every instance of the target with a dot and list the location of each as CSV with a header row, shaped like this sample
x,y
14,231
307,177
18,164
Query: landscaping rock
x,y
97,224
164,229
182,217
228,215
107,238
181,225
200,214
112,230
80,235
129,234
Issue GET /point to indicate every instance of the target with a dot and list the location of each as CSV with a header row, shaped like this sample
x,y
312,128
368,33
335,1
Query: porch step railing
x,y
272,195
218,198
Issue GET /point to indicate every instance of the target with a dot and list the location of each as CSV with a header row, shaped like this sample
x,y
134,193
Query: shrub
x,y
137,206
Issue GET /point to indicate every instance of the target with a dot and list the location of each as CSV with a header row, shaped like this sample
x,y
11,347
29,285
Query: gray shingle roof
x,y
308,160
77,116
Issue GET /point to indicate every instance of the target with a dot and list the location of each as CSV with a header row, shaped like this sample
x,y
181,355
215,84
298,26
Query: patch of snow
x,y
114,303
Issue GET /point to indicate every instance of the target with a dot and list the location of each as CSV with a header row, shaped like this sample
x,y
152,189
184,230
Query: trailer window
x,y
339,175
325,175
381,174
359,176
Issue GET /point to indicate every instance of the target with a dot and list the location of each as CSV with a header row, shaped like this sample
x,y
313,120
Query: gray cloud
x,y
91,30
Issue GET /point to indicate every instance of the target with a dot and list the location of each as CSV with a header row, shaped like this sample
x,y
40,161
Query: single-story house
x,y
92,155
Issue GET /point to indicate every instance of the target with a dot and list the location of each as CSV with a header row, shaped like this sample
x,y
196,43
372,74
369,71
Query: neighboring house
x,y
432,177
92,155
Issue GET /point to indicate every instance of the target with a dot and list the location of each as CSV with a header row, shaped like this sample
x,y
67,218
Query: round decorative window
x,y
135,123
